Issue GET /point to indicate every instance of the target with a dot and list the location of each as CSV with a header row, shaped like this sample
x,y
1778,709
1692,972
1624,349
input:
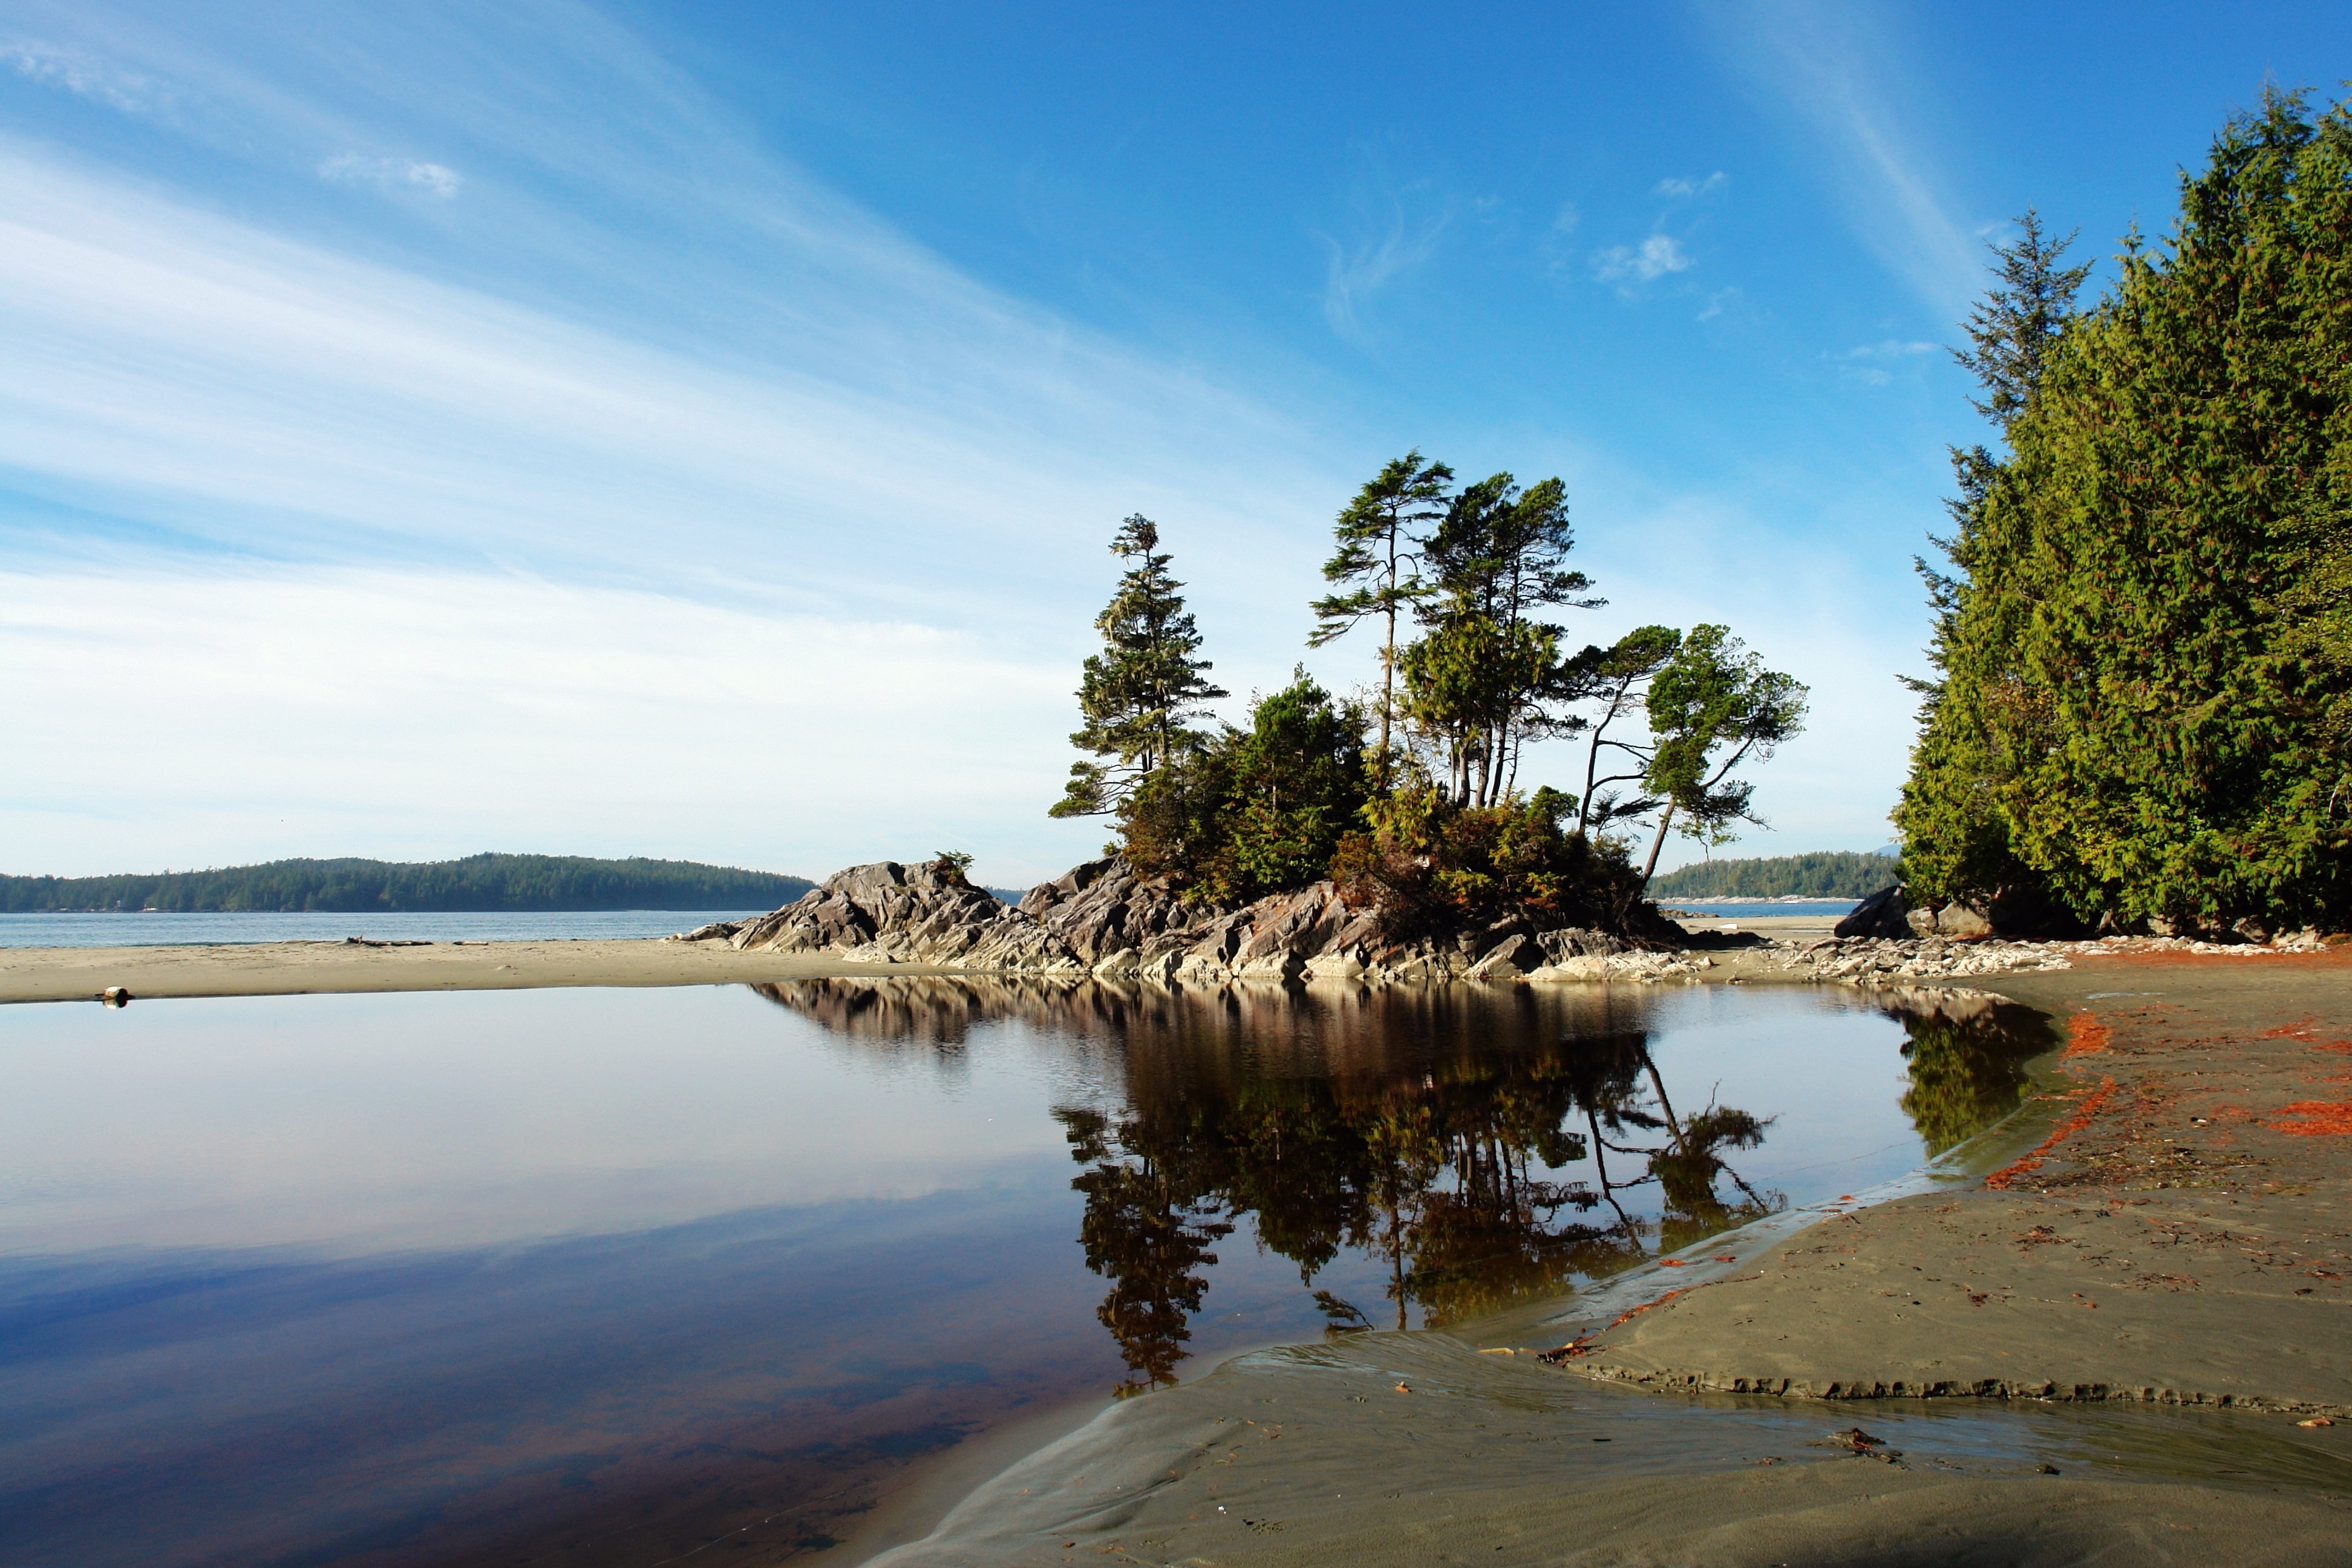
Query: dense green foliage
x,y
1439,863
1244,812
478,882
1824,874
2144,647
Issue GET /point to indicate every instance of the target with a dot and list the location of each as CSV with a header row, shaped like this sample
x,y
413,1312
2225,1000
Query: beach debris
x,y
114,996
1404,1388
1855,1440
2045,1468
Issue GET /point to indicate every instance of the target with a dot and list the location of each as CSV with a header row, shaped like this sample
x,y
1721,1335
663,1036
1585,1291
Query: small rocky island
x,y
1103,920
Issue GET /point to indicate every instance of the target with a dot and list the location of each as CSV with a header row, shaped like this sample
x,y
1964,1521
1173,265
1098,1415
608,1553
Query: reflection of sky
x,y
299,1275
1833,1075
356,1123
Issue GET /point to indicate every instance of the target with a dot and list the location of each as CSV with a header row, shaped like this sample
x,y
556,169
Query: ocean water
x,y
582,1275
1759,908
82,929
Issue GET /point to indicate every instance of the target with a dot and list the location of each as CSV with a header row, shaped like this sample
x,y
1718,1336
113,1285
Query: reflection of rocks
x,y
1343,1029
1101,919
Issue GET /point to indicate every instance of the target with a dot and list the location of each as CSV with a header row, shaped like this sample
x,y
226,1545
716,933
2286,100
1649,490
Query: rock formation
x,y
1101,919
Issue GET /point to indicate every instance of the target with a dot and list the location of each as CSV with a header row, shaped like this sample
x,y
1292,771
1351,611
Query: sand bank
x,y
294,968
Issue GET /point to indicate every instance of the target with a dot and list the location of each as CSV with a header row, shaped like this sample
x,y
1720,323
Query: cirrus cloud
x,y
393,173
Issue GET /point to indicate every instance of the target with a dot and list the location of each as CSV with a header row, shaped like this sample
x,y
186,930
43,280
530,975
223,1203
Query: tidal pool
x,y
608,1275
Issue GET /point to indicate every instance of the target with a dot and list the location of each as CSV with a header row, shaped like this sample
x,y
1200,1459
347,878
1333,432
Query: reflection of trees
x,y
1967,1057
1428,1129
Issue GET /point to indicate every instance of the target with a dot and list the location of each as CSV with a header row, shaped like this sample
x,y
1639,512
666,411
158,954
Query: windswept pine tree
x,y
1482,679
2145,660
1373,573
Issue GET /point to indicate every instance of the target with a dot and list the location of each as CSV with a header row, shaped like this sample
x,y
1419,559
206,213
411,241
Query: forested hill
x,y
1825,874
478,882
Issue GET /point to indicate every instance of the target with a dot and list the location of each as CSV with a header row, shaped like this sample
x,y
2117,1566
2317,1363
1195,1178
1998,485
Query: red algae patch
x,y
2007,1175
2317,1119
2085,1036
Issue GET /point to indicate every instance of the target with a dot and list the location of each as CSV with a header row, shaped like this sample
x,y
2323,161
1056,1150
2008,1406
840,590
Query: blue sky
x,y
695,430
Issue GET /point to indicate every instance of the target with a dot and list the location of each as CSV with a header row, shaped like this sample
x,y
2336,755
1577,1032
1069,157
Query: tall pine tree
x,y
1139,696
1372,573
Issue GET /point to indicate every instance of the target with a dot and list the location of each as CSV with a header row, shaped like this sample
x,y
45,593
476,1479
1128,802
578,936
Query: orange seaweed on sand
x,y
2085,1036
2317,1119
2002,1179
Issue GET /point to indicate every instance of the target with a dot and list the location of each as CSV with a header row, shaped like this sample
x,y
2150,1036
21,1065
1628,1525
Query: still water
x,y
599,1276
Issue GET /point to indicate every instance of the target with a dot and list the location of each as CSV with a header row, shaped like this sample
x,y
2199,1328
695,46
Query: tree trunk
x,y
1650,867
1665,1105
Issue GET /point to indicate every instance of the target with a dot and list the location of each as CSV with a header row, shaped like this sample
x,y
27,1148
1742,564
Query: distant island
x,y
484,883
1825,874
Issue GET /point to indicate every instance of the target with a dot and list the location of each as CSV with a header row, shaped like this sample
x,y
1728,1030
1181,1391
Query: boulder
x,y
1574,941
1883,914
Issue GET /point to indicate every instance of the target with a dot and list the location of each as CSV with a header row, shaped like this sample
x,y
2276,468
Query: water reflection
x,y
1966,1055
400,1278
1462,1138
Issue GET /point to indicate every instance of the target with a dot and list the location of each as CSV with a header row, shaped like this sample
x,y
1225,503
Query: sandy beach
x,y
2152,1263
299,968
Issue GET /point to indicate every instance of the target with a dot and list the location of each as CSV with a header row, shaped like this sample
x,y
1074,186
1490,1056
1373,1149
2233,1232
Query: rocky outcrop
x,y
889,913
1101,919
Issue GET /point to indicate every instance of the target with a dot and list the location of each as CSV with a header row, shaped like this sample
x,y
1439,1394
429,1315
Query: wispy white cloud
x,y
1868,362
735,427
86,75
393,173
1653,258
1685,190
1835,71
1355,271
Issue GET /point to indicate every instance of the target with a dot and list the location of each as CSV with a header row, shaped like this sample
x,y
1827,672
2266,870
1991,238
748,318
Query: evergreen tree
x,y
1251,811
1479,680
2013,330
1372,571
2012,333
1139,696
2146,670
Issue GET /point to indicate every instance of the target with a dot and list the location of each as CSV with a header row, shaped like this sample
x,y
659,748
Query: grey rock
x,y
1883,914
